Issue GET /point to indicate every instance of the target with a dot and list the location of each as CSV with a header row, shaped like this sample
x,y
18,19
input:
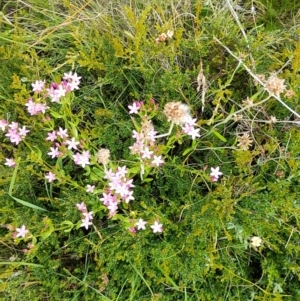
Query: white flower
x,y
215,173
141,224
256,241
157,227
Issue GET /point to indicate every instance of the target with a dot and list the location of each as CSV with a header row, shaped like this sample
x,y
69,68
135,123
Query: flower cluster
x,y
275,85
15,133
119,189
156,227
55,92
144,145
164,36
63,144
87,217
179,113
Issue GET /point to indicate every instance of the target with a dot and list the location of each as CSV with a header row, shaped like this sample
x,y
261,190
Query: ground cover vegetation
x,y
149,150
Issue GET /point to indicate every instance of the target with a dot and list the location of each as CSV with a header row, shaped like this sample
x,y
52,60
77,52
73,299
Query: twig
x,y
257,79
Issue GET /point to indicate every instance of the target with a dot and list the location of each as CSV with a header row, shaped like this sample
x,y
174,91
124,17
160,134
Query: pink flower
x,y
62,133
88,215
21,231
54,152
134,108
146,153
121,171
23,131
90,188
73,80
82,159
50,176
157,227
141,224
81,207
157,161
72,143
13,125
108,198
132,230
10,162
3,124
215,173
14,136
191,130
51,136
86,223
35,108
128,197
38,86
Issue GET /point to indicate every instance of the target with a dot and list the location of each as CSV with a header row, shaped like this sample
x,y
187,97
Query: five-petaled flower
x,y
50,176
10,162
22,231
215,174
86,223
157,227
90,188
141,224
81,207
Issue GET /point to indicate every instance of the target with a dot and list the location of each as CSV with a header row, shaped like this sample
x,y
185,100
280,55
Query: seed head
x,y
103,156
244,141
275,85
177,112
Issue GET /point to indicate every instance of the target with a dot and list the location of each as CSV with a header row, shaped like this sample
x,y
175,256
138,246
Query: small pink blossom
x,y
215,174
157,227
10,162
21,231
52,136
128,197
191,130
54,152
38,86
82,159
134,108
157,161
23,131
132,230
73,80
88,215
14,136
90,188
121,171
62,133
72,143
3,124
81,207
35,108
141,224
86,223
13,125
146,153
50,176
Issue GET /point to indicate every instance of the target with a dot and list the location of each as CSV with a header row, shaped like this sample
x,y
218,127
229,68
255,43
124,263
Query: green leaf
x,y
56,115
21,263
218,135
12,183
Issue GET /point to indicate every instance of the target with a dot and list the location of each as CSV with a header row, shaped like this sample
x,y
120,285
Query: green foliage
x,y
156,52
